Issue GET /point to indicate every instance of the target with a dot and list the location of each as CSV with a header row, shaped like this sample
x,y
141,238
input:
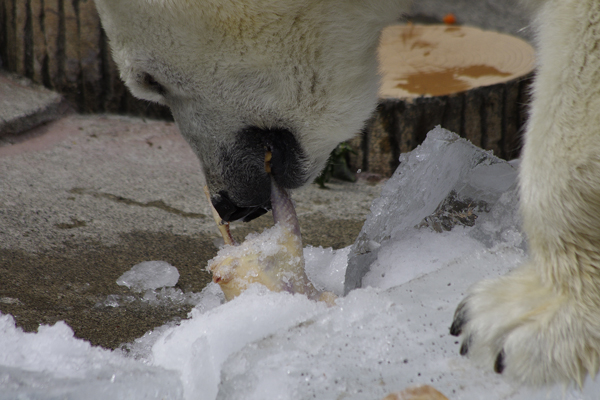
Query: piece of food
x,y
449,19
274,258
423,392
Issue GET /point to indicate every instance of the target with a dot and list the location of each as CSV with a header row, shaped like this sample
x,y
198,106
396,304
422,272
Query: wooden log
x,y
60,44
20,35
71,84
51,39
89,55
470,81
39,48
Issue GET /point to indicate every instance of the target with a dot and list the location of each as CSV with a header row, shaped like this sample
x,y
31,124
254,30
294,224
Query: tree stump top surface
x,y
437,60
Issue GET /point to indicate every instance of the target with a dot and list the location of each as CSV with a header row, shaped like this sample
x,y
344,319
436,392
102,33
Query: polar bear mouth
x,y
247,192
231,212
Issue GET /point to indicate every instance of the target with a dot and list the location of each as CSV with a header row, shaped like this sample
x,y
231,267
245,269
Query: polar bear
x,y
298,76
541,323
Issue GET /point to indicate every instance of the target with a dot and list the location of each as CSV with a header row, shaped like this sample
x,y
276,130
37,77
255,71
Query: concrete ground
x,y
85,198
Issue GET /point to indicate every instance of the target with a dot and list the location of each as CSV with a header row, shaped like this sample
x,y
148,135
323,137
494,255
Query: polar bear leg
x,y
528,330
541,323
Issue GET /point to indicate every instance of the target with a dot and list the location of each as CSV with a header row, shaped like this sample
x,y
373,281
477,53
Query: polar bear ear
x,y
145,85
148,82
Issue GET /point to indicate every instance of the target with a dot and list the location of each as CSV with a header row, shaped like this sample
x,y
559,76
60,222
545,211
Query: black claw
x,y
464,347
456,328
499,364
460,318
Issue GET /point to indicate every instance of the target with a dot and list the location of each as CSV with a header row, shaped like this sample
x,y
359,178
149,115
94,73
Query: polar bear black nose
x,y
230,212
247,185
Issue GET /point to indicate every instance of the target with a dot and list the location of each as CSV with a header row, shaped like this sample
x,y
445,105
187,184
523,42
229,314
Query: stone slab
x,y
25,105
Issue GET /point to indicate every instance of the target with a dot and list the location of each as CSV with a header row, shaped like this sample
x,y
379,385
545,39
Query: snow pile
x,y
455,226
199,346
52,364
326,268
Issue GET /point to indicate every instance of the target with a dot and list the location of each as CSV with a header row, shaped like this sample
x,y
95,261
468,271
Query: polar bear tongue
x,y
283,208
281,204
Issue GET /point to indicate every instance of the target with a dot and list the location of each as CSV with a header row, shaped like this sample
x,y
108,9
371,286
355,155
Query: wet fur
x,y
541,323
308,66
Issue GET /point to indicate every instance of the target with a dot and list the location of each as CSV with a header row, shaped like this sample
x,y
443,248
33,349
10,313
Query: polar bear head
x,y
295,77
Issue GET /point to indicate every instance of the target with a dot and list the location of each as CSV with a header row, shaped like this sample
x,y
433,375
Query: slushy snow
x,y
446,219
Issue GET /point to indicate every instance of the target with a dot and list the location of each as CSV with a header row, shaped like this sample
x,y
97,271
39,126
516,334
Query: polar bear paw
x,y
528,331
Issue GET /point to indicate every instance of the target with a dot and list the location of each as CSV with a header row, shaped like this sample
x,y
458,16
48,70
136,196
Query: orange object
x,y
449,19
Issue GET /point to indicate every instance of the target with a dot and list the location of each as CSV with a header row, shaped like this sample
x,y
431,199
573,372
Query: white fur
x,y
545,316
311,64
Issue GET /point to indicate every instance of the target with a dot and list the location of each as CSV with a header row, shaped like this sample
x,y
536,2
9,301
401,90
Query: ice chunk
x,y
149,275
141,348
199,346
416,253
444,182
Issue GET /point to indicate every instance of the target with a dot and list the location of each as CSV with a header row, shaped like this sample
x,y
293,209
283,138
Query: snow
x,y
326,268
420,250
52,364
198,347
418,253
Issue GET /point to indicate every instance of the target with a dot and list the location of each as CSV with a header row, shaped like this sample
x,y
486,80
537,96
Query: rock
x,y
24,105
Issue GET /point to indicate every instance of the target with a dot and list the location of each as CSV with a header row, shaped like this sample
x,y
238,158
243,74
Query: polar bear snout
x,y
246,185
231,212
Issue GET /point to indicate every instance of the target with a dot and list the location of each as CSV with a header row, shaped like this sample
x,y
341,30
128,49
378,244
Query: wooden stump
x,y
467,80
60,44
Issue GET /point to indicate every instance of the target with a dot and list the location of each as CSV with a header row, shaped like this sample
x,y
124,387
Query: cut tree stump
x,y
60,44
470,81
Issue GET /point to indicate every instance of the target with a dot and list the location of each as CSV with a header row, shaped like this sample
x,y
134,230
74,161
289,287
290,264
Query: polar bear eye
x,y
149,82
